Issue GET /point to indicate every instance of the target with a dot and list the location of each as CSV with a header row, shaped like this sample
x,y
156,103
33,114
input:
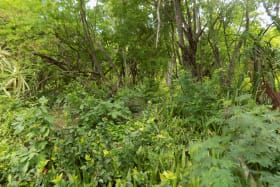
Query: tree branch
x,y
50,60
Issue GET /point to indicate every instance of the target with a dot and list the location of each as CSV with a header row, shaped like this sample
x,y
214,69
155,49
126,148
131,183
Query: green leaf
x,y
58,179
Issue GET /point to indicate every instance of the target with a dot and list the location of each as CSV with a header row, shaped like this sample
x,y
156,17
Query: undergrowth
x,y
143,136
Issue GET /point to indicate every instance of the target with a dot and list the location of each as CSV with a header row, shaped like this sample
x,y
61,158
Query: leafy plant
x,y
12,76
30,127
246,153
198,103
92,111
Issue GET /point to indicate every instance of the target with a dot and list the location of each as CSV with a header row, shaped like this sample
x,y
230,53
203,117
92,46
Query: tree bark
x,y
179,25
88,39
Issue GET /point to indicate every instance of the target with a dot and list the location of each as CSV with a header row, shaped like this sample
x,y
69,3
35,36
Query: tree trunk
x,y
88,39
170,73
242,39
189,29
179,24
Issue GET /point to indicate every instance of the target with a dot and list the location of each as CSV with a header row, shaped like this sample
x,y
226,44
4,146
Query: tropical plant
x,y
13,76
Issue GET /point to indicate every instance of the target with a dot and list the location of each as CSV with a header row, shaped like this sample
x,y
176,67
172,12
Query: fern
x,y
247,151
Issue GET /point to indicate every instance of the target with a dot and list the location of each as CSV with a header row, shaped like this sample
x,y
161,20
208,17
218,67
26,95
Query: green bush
x,y
27,130
199,103
246,153
172,142
90,111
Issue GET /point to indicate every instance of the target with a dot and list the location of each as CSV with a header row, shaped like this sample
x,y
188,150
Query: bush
x,y
246,153
90,111
199,103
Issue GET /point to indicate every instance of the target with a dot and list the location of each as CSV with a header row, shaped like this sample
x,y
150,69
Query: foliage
x,y
30,130
199,103
101,148
138,93
246,151
90,111
13,76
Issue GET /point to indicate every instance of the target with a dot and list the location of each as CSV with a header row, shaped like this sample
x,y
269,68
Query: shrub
x,y
246,153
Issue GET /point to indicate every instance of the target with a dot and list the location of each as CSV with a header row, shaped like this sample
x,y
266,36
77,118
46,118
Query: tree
x,y
189,29
272,8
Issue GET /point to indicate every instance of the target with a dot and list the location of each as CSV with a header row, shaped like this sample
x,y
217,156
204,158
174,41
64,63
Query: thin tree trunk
x,y
213,44
94,61
193,32
179,25
231,70
170,73
158,22
125,66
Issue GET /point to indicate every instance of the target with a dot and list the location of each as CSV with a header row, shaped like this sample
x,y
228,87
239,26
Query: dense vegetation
x,y
139,93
